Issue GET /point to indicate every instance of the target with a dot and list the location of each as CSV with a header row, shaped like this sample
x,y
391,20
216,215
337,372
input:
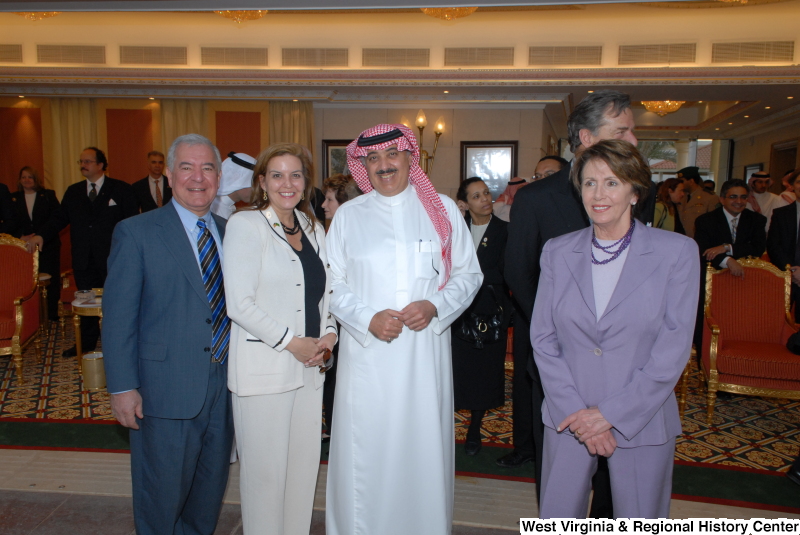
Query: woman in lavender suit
x,y
611,332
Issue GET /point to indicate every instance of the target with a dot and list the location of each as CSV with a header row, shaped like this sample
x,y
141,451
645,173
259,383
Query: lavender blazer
x,y
628,362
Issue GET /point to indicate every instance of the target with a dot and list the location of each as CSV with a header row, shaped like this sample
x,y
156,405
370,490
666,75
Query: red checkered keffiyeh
x,y
425,190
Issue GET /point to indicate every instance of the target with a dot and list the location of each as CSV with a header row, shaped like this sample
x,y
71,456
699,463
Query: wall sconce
x,y
425,160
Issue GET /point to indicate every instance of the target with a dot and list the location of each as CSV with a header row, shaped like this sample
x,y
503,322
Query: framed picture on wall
x,y
334,157
494,161
752,168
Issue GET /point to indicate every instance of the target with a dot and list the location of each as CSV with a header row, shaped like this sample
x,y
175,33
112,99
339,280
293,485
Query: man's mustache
x,y
386,171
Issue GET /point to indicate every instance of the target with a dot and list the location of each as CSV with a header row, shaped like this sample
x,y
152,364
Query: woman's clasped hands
x,y
310,351
592,430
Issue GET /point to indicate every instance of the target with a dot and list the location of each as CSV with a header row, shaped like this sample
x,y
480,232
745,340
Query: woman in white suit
x,y
277,289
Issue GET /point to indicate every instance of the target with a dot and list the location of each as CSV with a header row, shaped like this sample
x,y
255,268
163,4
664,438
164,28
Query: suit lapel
x,y
725,228
173,234
579,262
641,262
566,200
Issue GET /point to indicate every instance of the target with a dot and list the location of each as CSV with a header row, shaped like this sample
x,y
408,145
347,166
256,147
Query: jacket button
x,y
206,349
208,320
328,265
329,316
598,351
330,292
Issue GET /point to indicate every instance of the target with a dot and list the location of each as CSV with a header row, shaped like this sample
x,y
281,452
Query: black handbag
x,y
480,329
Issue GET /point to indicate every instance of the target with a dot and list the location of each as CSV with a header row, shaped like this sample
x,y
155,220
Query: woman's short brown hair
x,y
664,189
624,160
37,183
343,186
258,199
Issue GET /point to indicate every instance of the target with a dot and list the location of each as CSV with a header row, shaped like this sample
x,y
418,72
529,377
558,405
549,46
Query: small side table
x,y
93,307
44,316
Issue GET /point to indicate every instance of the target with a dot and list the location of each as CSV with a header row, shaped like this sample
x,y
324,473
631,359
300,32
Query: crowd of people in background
x,y
400,267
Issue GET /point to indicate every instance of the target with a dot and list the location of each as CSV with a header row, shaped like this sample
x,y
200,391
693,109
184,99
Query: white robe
x,y
768,202
391,466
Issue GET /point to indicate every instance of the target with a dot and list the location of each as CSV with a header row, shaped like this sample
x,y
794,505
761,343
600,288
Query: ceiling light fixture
x,y
22,96
746,116
38,15
243,15
663,107
447,91
789,98
767,107
448,13
590,91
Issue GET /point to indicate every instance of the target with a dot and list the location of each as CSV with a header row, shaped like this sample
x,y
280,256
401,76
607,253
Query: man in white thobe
x,y
761,200
404,268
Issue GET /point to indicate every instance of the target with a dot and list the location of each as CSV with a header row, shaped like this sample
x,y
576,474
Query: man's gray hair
x,y
192,139
589,113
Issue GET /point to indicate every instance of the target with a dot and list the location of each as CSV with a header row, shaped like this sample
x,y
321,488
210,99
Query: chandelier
x,y
242,15
38,15
448,13
663,107
733,1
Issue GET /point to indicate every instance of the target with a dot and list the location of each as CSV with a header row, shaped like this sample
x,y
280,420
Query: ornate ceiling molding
x,y
156,77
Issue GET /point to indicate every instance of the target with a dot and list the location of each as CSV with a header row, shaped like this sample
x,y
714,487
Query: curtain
x,y
74,123
180,117
291,122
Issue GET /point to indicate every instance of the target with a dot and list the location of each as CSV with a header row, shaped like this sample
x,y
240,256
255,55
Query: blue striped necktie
x,y
212,279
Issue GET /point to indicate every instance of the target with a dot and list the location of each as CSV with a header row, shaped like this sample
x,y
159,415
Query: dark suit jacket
x,y
156,317
712,229
91,223
145,200
782,238
491,257
43,209
8,223
542,210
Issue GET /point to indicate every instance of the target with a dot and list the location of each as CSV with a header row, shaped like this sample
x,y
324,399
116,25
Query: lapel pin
x,y
276,225
484,242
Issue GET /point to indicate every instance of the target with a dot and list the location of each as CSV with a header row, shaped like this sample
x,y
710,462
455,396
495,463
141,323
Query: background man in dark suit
x,y
731,232
7,224
153,191
542,210
165,349
92,208
782,245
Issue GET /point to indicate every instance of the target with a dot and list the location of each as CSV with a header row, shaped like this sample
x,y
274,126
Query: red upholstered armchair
x,y
747,323
19,298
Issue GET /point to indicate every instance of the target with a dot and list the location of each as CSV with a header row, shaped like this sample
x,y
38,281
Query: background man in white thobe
x,y
404,268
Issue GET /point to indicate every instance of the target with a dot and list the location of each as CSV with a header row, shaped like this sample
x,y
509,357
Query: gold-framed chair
x,y
66,285
746,325
19,299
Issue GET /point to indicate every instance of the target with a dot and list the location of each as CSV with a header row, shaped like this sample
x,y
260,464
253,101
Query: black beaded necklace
x,y
291,231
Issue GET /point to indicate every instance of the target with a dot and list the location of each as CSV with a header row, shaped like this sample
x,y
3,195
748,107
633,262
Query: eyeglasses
x,y
735,197
86,162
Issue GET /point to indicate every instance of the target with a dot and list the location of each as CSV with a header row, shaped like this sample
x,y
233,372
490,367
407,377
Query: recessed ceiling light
x,y
677,132
730,123
447,91
22,96
590,91
699,101
746,116
294,100
716,129
790,98
766,107
152,98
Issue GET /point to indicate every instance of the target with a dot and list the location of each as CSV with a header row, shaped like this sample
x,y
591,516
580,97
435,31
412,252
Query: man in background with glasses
x,y
91,208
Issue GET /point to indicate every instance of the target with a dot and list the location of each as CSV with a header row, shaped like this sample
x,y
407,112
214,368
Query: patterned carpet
x,y
747,432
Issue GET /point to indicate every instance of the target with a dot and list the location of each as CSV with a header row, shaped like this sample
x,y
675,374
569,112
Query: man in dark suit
x,y
153,191
546,209
730,232
166,336
782,246
92,208
7,221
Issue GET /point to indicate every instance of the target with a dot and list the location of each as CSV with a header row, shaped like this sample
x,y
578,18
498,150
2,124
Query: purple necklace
x,y
623,244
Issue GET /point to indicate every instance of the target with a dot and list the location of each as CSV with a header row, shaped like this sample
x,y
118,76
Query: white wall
x,y
490,123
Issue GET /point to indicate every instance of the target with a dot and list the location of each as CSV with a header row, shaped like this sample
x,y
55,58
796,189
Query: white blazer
x,y
265,296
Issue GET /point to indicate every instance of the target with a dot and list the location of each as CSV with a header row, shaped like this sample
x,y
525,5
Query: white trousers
x,y
278,439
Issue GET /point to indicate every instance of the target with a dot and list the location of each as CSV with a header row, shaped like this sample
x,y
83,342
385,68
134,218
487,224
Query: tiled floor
x,y
84,493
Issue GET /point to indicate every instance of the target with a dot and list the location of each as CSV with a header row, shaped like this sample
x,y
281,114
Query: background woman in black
x,y
33,207
479,373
